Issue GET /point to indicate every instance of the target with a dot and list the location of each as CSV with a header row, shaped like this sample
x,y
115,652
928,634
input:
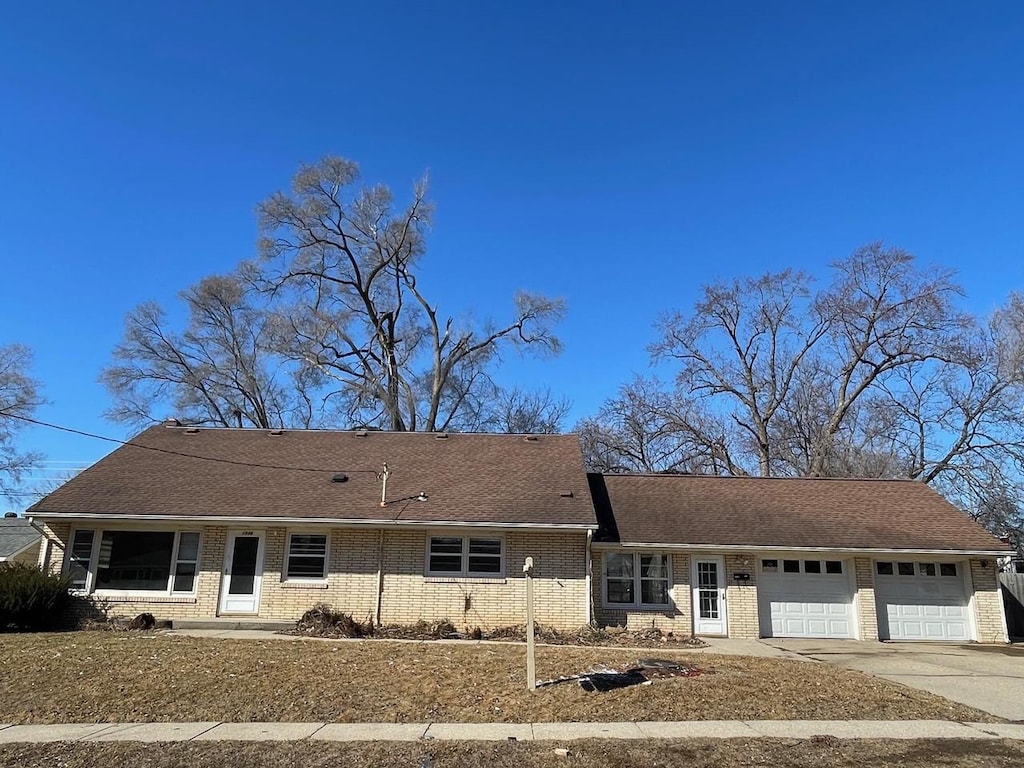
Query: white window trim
x,y
464,572
637,591
136,594
288,556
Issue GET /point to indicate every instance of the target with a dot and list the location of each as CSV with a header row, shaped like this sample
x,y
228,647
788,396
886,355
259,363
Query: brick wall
x,y
864,598
741,596
560,596
677,619
988,603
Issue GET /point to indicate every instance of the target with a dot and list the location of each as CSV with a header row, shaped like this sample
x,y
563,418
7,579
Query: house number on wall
x,y
247,533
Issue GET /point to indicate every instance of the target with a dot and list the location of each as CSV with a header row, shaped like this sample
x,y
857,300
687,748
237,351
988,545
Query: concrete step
x,y
231,623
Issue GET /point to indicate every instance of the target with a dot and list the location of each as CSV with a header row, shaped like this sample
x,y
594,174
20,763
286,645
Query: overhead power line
x,y
131,444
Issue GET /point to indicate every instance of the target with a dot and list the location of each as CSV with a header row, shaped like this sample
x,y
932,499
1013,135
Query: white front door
x,y
709,596
243,572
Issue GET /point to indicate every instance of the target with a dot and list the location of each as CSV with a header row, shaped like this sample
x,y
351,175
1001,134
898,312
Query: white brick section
x,y
988,602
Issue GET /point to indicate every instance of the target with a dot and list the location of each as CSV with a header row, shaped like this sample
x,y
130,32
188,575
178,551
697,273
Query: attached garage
x,y
921,601
805,598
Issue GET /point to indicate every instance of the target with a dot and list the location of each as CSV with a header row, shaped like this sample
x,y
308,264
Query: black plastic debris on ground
x,y
641,673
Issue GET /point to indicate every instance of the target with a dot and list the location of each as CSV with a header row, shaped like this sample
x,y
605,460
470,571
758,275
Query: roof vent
x,y
362,433
191,430
567,495
341,477
532,439
9,515
277,431
441,436
172,423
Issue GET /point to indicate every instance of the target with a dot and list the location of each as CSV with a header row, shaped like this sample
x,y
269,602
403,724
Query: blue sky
x,y
616,154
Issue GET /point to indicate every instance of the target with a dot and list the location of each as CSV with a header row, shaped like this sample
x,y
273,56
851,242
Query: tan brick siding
x,y
677,619
864,598
560,596
988,605
741,596
351,586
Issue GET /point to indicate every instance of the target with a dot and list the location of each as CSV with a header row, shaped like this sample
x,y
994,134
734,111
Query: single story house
x,y
196,523
19,541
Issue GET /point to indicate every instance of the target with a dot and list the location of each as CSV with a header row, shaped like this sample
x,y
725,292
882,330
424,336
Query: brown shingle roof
x,y
470,478
783,512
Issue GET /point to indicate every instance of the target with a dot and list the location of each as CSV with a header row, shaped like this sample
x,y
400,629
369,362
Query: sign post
x,y
531,666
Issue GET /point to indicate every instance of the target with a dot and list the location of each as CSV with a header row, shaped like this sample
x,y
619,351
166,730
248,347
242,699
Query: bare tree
x,y
223,370
19,398
330,327
878,374
347,261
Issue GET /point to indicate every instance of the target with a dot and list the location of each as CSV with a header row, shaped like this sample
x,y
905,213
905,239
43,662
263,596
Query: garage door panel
x,y
806,605
922,607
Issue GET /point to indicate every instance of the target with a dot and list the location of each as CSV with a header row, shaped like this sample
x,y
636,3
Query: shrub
x,y
31,600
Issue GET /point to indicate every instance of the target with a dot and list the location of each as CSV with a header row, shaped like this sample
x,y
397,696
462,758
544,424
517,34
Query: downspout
x,y
590,578
380,576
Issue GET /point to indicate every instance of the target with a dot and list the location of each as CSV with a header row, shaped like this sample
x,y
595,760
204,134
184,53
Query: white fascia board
x,y
300,521
784,548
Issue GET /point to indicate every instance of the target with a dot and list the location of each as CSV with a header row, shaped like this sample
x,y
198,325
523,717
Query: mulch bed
x,y
322,621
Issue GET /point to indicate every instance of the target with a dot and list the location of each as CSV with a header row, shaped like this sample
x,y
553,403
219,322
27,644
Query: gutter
x,y
771,548
345,522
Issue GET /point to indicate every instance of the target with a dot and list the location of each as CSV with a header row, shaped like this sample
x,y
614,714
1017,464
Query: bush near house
x,y
31,600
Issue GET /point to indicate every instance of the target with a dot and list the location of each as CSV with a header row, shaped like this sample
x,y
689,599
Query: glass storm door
x,y
709,596
243,571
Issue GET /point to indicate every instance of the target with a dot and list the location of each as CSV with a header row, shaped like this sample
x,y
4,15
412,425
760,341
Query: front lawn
x,y
694,753
144,677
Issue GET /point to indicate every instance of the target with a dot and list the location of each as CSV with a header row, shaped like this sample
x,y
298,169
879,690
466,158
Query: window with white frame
x,y
134,561
466,556
636,579
307,557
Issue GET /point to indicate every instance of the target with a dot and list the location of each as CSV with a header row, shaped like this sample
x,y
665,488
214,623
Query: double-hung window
x,y
636,579
163,562
477,556
307,557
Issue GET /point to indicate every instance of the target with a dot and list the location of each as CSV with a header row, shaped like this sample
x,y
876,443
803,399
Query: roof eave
x,y
297,521
599,545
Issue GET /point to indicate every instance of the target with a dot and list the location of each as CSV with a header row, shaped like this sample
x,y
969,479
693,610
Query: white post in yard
x,y
531,666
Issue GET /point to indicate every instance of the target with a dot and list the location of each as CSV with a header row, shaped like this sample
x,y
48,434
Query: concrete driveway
x,y
987,677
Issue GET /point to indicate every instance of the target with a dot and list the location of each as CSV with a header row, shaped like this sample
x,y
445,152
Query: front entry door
x,y
709,596
243,569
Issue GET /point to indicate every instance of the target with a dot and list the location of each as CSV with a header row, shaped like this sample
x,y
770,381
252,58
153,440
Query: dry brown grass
x,y
694,753
104,677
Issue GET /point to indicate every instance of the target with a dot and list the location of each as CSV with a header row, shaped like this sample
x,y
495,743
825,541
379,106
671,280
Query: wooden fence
x,y
1012,587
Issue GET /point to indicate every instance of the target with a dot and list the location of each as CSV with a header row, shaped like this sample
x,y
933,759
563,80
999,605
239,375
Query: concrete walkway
x,y
728,729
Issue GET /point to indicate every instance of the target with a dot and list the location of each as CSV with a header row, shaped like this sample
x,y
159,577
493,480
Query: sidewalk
x,y
726,729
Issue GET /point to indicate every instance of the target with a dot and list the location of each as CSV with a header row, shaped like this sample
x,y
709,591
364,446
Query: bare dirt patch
x,y
147,677
694,753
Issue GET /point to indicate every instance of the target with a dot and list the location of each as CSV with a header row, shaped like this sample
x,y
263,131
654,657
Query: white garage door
x,y
921,601
805,598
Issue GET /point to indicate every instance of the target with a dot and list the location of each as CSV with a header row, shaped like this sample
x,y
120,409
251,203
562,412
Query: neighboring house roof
x,y
16,536
782,513
468,478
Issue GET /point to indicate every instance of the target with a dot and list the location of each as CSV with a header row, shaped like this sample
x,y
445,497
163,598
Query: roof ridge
x,y
695,476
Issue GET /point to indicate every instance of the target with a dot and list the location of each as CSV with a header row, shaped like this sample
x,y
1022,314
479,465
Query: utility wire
x,y
131,444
